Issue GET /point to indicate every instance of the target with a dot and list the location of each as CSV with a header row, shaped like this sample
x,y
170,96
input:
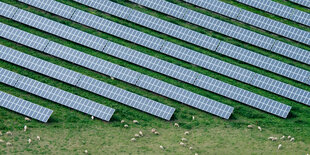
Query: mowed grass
x,y
71,132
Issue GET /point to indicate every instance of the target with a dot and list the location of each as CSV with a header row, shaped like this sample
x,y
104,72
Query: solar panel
x,y
244,96
58,29
155,24
279,10
292,52
118,30
217,6
22,37
52,6
185,96
125,97
8,77
150,62
305,3
52,70
24,107
92,62
7,10
65,98
274,26
263,62
39,65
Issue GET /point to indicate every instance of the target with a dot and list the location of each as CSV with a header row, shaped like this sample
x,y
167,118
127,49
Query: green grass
x,y
210,134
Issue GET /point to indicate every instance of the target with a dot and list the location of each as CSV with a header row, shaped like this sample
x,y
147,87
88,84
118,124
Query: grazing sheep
x,y
125,126
196,153
133,139
275,139
38,138
288,137
184,140
1,141
250,126
176,125
190,148
282,138
156,133
259,128
112,78
137,135
25,128
29,141
8,144
135,121
153,130
182,144
140,133
193,117
122,121
9,133
186,133
27,119
161,147
279,147
92,117
292,139
86,152
270,138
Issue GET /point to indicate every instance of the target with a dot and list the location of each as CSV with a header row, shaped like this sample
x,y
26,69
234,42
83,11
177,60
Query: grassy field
x,y
71,132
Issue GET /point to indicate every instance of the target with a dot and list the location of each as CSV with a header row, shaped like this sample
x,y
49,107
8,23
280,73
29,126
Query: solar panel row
x,y
7,10
49,92
122,73
263,23
197,39
78,79
305,3
236,98
279,10
230,29
24,107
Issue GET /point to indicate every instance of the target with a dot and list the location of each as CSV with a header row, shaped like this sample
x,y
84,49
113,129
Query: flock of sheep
x,y
140,134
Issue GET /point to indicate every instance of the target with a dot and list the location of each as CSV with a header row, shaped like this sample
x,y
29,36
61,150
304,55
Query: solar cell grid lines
x,y
125,97
50,5
217,6
305,3
65,98
58,29
92,62
39,65
185,96
24,107
8,77
7,10
279,10
122,95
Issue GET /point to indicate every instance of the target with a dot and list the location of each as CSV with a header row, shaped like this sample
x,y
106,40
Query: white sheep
x,y
137,135
250,126
184,140
176,125
122,121
29,141
292,139
38,138
182,144
112,78
193,117
9,133
135,121
92,117
27,119
140,133
288,137
25,128
156,133
161,147
282,138
190,148
186,133
196,153
125,126
259,128
153,130
270,138
133,139
8,144
1,141
279,147
86,152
